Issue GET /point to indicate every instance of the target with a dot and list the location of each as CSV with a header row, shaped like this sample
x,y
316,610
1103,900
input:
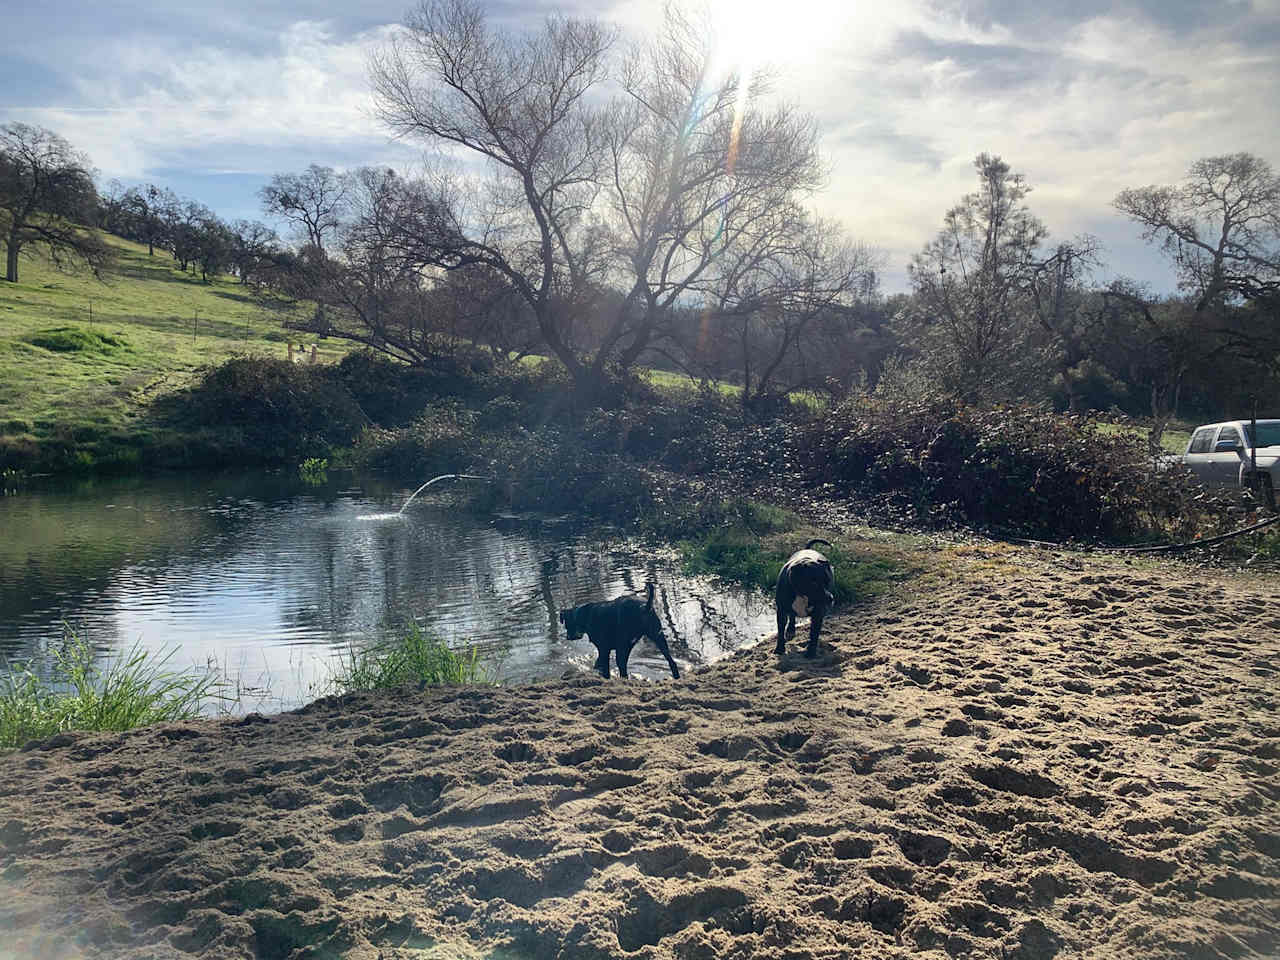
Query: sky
x,y
1084,98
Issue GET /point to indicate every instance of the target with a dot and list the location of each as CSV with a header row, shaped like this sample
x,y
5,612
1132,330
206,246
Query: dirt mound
x,y
1029,760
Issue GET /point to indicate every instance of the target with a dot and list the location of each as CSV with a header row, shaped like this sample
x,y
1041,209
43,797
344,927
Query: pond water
x,y
267,579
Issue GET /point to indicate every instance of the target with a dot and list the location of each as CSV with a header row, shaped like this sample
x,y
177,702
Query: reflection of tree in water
x,y
71,546
241,565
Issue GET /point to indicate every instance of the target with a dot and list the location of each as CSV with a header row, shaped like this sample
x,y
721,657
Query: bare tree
x,y
971,283
1221,229
312,201
147,215
775,290
113,214
46,193
696,169
519,105
479,305
185,226
376,279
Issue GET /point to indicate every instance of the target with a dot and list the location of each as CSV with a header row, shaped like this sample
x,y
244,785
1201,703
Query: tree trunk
x,y
11,261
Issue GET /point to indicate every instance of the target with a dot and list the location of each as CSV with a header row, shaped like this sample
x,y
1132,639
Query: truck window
x,y
1268,433
1202,440
1230,433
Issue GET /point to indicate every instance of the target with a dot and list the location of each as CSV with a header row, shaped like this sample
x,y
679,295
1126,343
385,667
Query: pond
x,y
267,579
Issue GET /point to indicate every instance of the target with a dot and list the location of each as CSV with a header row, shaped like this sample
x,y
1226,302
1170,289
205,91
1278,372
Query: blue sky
x,y
1084,98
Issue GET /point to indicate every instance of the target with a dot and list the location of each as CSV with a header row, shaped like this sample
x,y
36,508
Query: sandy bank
x,y
1034,757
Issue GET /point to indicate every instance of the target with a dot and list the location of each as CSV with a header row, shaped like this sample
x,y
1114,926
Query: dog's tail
x,y
649,589
825,543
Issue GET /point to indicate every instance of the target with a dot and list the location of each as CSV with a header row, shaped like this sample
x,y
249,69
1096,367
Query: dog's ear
x,y
564,618
649,587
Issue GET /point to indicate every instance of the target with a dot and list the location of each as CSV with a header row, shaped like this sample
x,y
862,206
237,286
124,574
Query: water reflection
x,y
269,578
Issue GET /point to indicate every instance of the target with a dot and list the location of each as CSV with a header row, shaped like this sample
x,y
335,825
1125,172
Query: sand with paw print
x,y
1031,757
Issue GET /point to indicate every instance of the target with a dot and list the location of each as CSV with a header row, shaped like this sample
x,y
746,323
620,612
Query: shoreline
x,y
1030,755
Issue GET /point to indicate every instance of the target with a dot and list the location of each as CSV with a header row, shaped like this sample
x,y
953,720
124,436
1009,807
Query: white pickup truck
x,y
1224,455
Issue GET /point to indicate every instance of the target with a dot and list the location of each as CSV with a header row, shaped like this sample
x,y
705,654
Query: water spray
x,y
443,476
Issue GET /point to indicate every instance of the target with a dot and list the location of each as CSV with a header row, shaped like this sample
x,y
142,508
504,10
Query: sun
x,y
751,34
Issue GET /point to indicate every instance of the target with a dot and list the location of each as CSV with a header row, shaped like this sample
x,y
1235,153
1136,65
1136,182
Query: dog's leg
x,y
661,643
782,631
602,660
791,624
815,626
624,654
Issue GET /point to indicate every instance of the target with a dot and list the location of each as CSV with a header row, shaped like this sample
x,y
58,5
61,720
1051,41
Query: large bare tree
x,y
46,194
793,271
519,109
1220,228
698,174
609,216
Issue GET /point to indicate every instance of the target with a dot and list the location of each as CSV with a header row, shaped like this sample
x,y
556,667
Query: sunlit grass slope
x,y
81,359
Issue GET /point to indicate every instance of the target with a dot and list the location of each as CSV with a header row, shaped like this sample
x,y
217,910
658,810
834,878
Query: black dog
x,y
804,586
616,626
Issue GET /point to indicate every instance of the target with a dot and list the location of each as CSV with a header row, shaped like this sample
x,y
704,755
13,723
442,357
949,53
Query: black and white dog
x,y
616,626
804,587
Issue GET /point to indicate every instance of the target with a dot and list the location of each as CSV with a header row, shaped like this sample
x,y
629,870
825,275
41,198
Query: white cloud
x,y
235,110
906,94
1113,103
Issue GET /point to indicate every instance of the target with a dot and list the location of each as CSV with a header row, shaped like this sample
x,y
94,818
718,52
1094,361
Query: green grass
x,y
412,658
81,360
670,380
1173,440
751,553
136,689
80,694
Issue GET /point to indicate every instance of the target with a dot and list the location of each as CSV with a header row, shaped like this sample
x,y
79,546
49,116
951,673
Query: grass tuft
x,y
79,694
77,340
413,658
314,470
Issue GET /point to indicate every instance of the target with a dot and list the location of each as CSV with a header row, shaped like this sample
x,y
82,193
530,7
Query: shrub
x,y
439,441
390,393
1019,469
275,409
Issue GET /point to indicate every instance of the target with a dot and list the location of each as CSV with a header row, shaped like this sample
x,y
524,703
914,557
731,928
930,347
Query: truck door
x,y
1200,453
1224,464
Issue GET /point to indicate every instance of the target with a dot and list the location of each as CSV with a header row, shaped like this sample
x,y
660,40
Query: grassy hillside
x,y
81,359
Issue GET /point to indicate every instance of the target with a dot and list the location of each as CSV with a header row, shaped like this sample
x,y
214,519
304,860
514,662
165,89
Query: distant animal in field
x,y
615,626
805,585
